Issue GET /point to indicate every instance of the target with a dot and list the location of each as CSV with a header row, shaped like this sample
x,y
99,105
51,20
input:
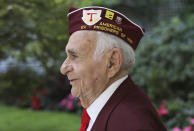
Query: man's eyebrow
x,y
72,52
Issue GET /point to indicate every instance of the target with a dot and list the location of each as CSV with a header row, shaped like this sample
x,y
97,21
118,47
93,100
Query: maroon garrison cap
x,y
105,20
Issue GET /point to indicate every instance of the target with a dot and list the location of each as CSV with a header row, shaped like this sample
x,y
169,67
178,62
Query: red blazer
x,y
128,109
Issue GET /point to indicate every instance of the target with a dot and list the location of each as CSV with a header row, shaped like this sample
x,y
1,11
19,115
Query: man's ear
x,y
115,62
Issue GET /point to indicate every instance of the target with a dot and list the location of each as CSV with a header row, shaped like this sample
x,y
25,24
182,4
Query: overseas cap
x,y
105,20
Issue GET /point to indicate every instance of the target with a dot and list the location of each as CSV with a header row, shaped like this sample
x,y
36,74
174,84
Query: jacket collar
x,y
119,94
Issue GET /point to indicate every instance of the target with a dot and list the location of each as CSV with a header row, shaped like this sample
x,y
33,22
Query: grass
x,y
14,119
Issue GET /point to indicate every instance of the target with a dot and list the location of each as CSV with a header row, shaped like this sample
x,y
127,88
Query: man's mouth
x,y
72,80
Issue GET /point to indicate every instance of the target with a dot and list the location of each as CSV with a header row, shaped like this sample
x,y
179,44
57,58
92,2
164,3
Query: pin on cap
x,y
105,20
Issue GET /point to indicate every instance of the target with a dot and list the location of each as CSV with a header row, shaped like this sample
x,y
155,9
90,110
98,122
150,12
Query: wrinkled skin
x,y
89,77
82,69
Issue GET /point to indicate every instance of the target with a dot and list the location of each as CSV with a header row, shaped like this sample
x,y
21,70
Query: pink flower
x,y
192,120
69,105
70,97
176,129
187,128
162,110
63,102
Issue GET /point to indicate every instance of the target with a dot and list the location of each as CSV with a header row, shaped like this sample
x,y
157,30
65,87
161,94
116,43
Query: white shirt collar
x,y
94,109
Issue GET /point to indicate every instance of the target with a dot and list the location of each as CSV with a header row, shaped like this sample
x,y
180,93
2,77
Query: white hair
x,y
107,41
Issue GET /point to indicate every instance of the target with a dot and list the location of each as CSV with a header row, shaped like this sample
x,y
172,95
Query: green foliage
x,y
15,83
165,60
84,3
189,7
164,68
180,112
35,31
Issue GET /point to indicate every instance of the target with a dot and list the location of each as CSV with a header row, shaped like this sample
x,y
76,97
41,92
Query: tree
x,y
164,68
35,33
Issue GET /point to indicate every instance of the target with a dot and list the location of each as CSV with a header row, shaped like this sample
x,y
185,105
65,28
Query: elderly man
x,y
100,53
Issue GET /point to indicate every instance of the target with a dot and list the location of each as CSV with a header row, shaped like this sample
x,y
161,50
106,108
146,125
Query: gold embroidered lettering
x,y
130,40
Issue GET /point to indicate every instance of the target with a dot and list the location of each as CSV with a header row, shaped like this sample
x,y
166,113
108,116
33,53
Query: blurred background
x,y
34,96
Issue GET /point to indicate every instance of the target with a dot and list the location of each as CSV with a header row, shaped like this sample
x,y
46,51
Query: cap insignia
x,y
109,15
91,17
118,20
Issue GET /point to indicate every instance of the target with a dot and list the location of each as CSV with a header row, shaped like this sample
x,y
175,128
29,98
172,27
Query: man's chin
x,y
74,92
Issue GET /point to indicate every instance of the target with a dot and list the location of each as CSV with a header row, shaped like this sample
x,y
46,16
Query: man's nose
x,y
66,67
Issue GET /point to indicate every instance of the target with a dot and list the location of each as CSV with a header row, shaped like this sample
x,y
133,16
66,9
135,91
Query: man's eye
x,y
74,56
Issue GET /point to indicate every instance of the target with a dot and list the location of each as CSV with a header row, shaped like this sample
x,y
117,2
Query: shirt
x,y
94,109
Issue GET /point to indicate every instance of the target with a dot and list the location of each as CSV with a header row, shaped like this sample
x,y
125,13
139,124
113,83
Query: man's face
x,y
87,76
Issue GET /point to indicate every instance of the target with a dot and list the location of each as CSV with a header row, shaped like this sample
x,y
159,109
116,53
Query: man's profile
x,y
100,54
